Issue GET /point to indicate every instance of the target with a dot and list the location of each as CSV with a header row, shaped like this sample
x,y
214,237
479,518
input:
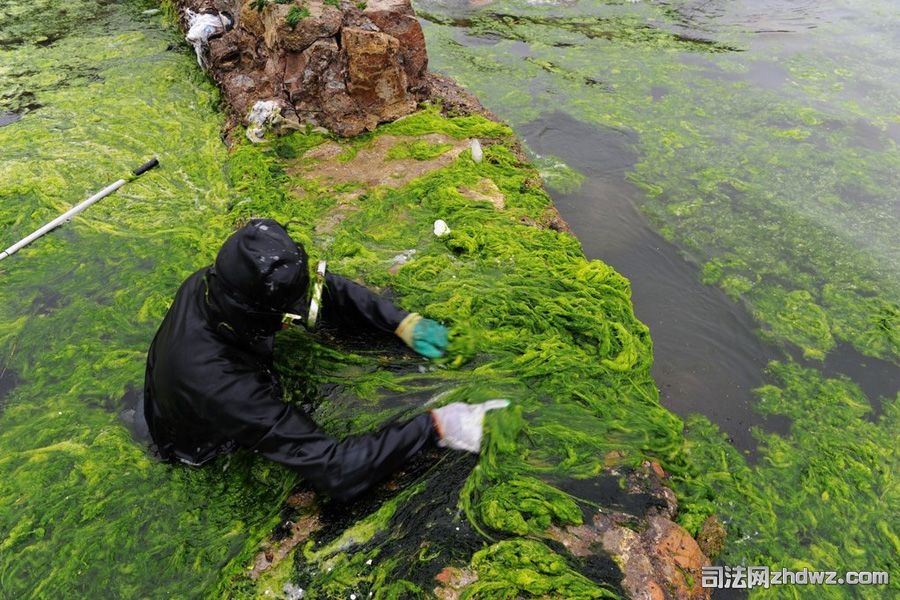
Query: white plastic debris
x,y
476,151
403,258
293,592
203,27
441,228
262,114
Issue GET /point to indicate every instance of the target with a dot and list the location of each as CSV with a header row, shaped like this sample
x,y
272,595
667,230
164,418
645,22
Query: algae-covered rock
x,y
634,527
711,536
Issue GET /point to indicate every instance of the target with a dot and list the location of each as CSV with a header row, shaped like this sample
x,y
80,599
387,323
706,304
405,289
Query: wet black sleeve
x,y
260,421
350,306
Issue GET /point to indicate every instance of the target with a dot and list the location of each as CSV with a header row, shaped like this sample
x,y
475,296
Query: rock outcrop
x,y
340,64
659,559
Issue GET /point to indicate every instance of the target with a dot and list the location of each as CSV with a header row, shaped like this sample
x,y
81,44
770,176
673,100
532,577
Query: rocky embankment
x,y
345,66
348,67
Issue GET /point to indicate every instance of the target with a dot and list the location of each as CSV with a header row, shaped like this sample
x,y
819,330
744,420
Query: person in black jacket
x,y
210,386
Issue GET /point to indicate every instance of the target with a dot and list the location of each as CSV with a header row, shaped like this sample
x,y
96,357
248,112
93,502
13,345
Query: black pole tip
x,y
146,167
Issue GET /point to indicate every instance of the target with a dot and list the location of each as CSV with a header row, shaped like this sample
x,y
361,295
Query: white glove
x,y
461,425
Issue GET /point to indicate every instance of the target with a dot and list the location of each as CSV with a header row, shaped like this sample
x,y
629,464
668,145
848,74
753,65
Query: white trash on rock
x,y
203,27
264,112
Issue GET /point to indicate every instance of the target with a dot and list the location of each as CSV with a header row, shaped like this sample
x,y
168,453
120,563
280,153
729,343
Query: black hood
x,y
259,273
260,266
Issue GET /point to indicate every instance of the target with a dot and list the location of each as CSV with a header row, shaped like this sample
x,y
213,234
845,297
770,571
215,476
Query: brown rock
x,y
406,29
400,7
655,561
274,552
579,541
370,166
655,592
650,480
659,560
677,556
315,84
485,191
711,536
551,219
226,51
345,69
453,581
454,99
239,71
376,80
323,22
656,468
307,74
250,20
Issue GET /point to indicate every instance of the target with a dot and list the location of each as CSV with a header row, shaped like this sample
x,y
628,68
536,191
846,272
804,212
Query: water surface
x,y
739,162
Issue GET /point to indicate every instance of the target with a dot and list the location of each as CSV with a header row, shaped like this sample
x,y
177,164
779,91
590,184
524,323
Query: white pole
x,y
75,210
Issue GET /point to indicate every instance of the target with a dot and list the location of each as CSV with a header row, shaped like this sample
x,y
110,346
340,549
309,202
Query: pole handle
x,y
146,167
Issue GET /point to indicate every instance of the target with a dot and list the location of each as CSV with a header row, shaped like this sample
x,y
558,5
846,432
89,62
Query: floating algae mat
x,y
85,512
767,138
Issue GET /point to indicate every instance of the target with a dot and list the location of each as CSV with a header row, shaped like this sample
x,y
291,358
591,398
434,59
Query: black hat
x,y
262,267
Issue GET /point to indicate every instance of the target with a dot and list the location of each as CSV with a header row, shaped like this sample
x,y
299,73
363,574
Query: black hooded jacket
x,y
210,385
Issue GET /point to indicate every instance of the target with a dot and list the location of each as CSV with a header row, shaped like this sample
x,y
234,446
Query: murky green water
x,y
761,141
771,159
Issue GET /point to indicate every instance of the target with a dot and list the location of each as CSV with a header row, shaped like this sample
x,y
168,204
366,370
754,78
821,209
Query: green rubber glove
x,y
427,337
